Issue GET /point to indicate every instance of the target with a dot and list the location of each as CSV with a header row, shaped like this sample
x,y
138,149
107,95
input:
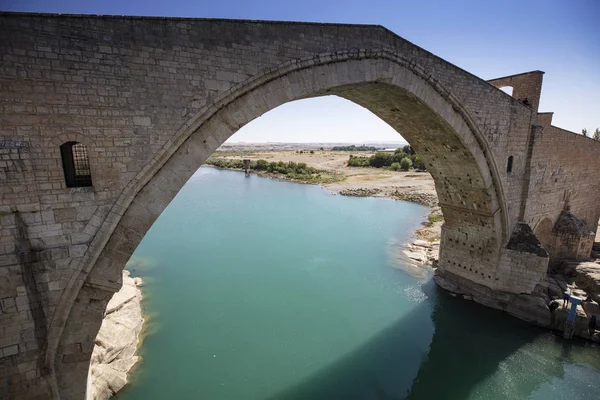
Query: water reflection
x,y
467,346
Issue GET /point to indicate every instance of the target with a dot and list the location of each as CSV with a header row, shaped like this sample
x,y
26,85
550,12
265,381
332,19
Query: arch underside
x,y
393,90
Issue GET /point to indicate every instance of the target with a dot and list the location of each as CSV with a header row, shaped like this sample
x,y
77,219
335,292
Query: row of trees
x,y
354,148
289,168
596,135
403,159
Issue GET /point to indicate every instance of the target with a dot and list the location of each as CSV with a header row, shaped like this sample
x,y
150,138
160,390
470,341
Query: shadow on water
x,y
468,344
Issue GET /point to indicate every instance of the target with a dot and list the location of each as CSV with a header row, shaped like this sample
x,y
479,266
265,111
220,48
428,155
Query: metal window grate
x,y
81,165
76,164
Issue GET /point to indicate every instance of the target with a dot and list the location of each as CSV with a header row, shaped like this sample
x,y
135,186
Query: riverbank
x,y
337,177
117,342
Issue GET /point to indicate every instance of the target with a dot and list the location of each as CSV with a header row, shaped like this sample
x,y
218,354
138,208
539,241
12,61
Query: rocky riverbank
x,y
117,342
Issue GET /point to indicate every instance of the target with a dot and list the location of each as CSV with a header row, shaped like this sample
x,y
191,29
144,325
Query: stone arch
x,y
393,88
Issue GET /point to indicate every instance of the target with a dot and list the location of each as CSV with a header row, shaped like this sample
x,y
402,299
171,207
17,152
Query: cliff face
x,y
117,341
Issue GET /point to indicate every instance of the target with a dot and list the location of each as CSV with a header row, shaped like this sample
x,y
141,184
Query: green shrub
x,y
418,163
397,157
262,165
354,161
405,164
395,166
381,160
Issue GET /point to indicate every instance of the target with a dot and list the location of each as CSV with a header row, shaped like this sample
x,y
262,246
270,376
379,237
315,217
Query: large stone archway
x,y
398,91
154,97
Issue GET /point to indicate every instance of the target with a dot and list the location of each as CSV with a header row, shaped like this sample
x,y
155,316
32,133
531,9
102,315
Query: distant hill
x,y
306,146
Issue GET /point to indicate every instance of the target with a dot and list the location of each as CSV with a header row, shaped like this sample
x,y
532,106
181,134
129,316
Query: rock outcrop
x,y
425,199
360,192
587,277
117,341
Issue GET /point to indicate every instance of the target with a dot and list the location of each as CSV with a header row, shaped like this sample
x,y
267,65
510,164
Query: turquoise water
x,y
260,289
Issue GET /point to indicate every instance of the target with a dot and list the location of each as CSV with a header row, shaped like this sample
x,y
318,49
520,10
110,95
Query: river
x,y
261,289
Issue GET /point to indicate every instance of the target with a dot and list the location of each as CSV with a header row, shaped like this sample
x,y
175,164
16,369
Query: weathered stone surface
x,y
532,308
587,277
117,341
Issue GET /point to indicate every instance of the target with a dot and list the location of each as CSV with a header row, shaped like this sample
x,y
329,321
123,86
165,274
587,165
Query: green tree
x,y
381,160
405,164
408,150
584,132
418,163
398,156
262,165
395,166
597,134
312,152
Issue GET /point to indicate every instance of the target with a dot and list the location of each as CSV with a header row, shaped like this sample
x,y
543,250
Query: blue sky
x,y
488,38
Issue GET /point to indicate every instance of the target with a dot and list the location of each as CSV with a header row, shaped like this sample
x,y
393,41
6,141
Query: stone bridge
x,y
151,98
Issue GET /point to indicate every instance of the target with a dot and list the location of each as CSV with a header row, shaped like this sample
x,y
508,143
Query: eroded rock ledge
x,y
117,342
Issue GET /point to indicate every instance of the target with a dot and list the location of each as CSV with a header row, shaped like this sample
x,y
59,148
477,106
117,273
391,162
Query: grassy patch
x,y
434,216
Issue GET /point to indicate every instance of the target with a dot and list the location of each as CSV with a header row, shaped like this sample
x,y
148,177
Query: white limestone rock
x,y
117,340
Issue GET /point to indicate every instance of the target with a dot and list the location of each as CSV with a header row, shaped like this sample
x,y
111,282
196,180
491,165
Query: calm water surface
x,y
259,289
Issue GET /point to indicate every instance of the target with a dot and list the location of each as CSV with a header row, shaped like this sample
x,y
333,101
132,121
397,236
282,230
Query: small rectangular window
x,y
76,164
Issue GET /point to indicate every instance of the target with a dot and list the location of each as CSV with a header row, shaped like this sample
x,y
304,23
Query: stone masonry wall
x,y
565,168
521,272
527,87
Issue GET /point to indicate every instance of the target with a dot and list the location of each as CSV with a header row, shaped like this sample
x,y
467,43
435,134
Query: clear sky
x,y
487,38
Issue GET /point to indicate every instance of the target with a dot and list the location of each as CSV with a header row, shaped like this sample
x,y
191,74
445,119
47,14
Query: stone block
x,y
7,287
65,214
76,357
10,350
85,213
29,207
142,121
77,250
48,216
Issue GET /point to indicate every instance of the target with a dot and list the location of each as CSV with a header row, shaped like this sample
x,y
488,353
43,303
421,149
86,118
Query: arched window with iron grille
x,y
76,164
